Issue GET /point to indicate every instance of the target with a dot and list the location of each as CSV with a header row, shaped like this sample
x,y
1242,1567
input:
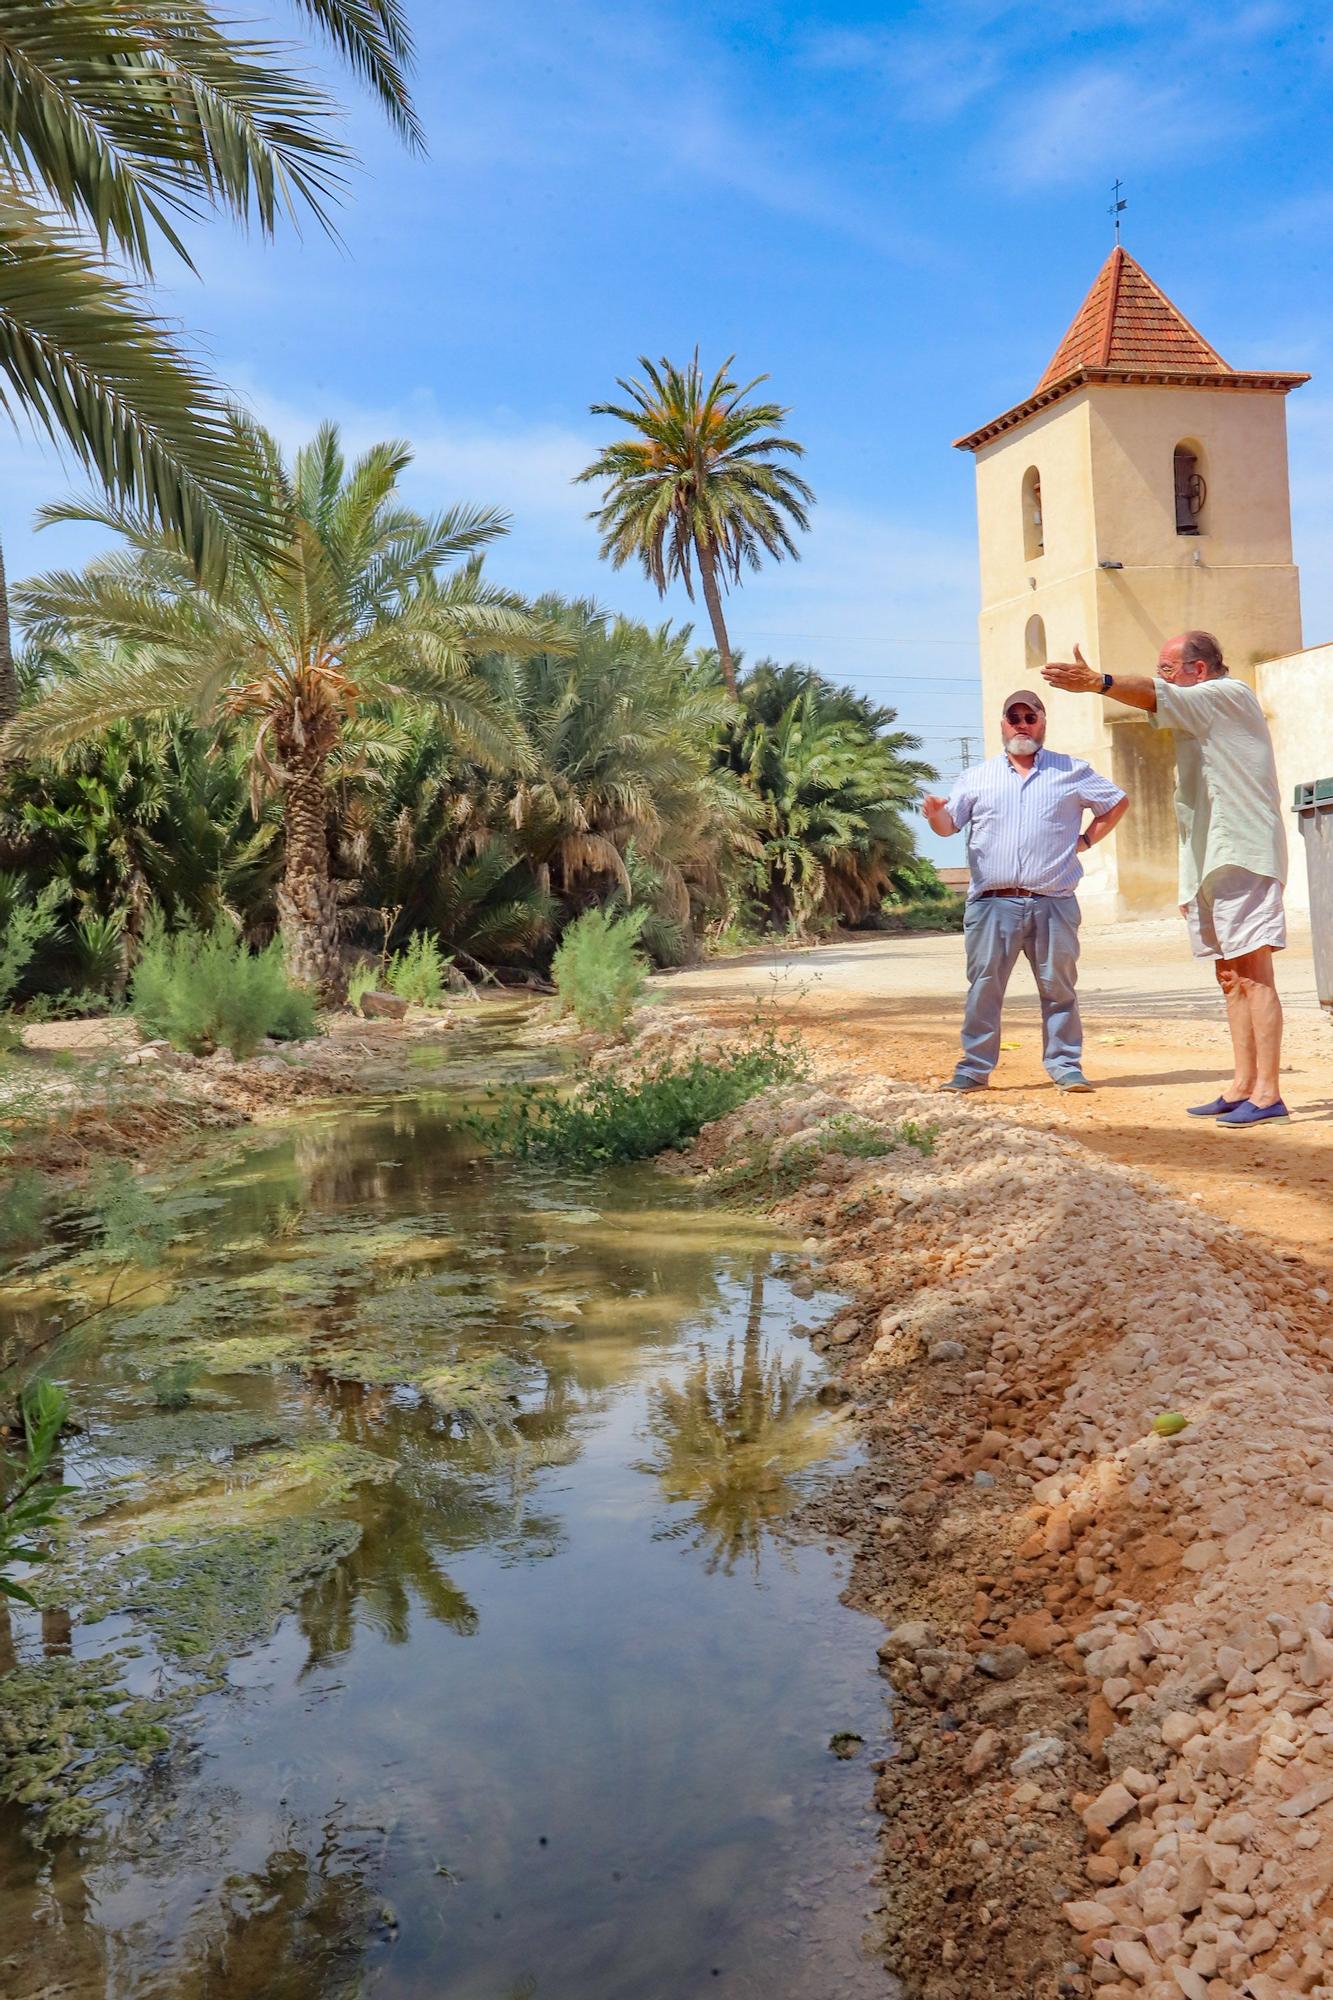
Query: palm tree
x,y
618,794
697,482
833,777
116,124
352,611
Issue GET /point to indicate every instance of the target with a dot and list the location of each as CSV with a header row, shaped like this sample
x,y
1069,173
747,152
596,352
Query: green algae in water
x,y
212,1597
188,1433
69,1730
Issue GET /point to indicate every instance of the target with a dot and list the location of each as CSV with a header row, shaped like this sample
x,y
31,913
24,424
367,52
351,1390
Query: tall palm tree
x,y
353,610
697,481
116,124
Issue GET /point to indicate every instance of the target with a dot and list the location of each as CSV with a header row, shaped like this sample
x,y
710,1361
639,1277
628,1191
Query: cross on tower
x,y
1117,208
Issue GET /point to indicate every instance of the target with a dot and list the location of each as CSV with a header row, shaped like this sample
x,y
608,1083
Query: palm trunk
x,y
713,599
307,909
9,685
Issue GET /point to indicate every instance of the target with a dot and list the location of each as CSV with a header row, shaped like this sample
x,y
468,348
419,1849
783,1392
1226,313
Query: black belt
x,y
1011,892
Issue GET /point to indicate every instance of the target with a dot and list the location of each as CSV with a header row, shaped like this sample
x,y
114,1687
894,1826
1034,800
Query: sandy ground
x,y
1156,1042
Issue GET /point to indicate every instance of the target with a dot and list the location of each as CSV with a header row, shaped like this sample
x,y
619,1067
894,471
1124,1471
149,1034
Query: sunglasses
x,y
1021,715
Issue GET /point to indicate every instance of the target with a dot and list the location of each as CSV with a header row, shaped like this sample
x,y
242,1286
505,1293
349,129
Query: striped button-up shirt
x,y
1023,826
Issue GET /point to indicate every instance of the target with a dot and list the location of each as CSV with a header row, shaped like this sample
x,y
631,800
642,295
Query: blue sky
x,y
892,211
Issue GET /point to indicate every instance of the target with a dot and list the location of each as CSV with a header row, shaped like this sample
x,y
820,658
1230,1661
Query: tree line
x,y
288,701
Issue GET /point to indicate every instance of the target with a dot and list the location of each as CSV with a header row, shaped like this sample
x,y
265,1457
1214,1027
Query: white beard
x,y
1023,746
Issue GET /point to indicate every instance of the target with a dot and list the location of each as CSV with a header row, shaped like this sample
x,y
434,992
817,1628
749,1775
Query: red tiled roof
x,y
1127,330
1127,322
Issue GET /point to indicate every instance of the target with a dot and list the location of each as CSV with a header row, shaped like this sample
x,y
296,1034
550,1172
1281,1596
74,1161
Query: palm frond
x,y
79,352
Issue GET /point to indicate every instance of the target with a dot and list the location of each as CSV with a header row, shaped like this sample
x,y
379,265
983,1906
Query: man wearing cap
x,y
1023,812
1233,847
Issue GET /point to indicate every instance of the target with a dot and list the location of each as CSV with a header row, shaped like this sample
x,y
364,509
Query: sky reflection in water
x,y
557,1728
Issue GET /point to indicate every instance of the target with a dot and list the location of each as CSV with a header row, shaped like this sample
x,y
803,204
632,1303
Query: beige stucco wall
x,y
1297,696
1105,458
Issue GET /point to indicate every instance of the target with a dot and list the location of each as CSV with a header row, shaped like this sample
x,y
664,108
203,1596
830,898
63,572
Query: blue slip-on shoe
x,y
1217,1108
1073,1080
962,1084
1253,1114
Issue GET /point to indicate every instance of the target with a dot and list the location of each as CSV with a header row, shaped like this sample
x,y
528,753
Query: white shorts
x,y
1235,912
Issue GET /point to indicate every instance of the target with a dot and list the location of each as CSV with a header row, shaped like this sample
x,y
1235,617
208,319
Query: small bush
x,y
24,928
421,973
202,992
363,979
22,1210
945,913
98,946
607,1121
598,971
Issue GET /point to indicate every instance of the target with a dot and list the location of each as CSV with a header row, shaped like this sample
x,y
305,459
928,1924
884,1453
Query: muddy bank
x,y
80,1091
1111,1648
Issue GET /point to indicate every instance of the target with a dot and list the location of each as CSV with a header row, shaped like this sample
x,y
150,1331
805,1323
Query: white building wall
x,y
1297,696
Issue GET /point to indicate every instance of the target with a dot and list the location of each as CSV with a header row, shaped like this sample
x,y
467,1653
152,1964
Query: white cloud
x,y
1091,121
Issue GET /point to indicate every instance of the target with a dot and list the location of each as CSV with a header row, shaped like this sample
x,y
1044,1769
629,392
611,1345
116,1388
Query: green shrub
x,y
419,974
943,913
206,991
607,1121
22,1210
29,1500
362,979
598,971
23,928
98,946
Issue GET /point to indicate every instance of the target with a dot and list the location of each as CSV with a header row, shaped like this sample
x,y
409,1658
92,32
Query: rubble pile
x,y
1099,1520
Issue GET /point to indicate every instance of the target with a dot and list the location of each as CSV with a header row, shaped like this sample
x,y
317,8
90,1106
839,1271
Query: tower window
x,y
1034,535
1191,490
1034,646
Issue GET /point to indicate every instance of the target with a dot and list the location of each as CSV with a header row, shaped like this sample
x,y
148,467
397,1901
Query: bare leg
x,y
1254,1016
1242,1033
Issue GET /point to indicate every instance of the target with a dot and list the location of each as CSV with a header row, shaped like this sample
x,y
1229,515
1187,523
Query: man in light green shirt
x,y
1233,847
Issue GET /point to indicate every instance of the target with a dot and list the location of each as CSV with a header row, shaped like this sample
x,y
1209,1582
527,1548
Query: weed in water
x,y
607,1121
208,991
599,971
28,1508
173,1387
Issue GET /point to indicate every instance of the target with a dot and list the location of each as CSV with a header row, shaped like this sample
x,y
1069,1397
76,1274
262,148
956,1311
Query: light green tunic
x,y
1227,804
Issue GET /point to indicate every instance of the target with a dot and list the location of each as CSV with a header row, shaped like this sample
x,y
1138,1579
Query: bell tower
x,y
1139,491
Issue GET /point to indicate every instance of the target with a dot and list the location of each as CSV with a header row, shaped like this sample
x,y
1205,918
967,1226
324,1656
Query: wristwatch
x,y
1084,842
1106,683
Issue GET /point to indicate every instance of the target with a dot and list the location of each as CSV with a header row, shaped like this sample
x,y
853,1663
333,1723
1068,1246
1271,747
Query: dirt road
x,y
1156,1042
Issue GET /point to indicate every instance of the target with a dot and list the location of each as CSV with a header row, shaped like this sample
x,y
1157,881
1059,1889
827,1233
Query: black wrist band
x,y
1106,683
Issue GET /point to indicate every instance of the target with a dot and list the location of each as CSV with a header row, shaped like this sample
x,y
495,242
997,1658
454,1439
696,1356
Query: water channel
x,y
549,1714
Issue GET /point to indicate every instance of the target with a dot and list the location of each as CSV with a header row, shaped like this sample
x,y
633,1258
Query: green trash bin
x,y
1313,806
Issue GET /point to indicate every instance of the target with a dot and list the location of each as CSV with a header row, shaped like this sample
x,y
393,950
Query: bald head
x,y
1189,658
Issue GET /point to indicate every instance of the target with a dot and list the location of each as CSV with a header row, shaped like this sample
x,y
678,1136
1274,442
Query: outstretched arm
x,y
1077,677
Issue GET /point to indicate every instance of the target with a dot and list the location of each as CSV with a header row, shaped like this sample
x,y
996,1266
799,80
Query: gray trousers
x,y
998,930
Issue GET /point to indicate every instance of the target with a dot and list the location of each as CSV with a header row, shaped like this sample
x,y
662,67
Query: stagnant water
x,y
558,1726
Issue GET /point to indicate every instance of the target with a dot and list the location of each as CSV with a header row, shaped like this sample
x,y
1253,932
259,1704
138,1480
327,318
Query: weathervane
x,y
1117,208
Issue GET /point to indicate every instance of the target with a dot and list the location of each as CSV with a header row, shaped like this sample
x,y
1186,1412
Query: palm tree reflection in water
x,y
732,1438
